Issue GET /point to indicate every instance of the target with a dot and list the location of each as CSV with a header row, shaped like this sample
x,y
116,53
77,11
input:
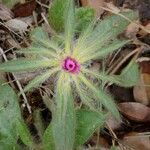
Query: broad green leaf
x,y
10,3
9,113
24,65
87,123
56,14
63,123
106,30
48,141
69,25
130,75
84,16
40,79
24,133
101,96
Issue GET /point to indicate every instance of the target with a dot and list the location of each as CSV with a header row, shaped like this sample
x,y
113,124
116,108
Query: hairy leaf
x,y
130,75
48,141
40,79
63,124
102,96
56,14
24,133
38,51
104,51
69,25
24,65
105,31
87,123
9,113
84,16
38,35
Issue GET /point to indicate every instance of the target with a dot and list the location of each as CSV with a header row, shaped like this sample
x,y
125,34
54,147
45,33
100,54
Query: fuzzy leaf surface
x,y
63,124
101,96
48,141
40,79
24,65
130,75
9,113
87,123
106,30
24,133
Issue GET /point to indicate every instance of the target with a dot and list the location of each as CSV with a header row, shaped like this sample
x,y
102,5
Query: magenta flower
x,y
71,65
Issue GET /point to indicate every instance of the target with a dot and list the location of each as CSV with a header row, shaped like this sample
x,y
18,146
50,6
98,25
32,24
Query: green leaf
x,y
10,3
48,141
24,65
103,33
130,75
40,79
56,14
69,25
24,133
111,47
84,16
87,123
39,36
37,51
100,95
63,123
9,113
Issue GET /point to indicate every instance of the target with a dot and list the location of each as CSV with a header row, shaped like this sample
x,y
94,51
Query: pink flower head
x,y
71,65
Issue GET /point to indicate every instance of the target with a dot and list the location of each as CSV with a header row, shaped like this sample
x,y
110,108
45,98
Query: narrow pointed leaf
x,y
24,133
63,124
69,25
103,76
105,31
116,44
40,79
24,65
37,51
48,141
87,123
85,96
102,96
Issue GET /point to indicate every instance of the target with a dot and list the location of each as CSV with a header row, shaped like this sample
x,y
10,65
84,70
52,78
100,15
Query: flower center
x,y
71,65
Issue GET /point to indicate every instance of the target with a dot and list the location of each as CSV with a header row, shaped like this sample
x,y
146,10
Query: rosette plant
x,y
68,61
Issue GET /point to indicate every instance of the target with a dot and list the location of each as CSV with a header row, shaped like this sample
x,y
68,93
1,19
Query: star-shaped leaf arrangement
x,y
68,60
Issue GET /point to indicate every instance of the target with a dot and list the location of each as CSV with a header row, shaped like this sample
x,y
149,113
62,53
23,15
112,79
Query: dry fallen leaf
x,y
24,10
135,111
5,13
132,30
17,25
137,141
95,4
142,32
142,91
113,123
